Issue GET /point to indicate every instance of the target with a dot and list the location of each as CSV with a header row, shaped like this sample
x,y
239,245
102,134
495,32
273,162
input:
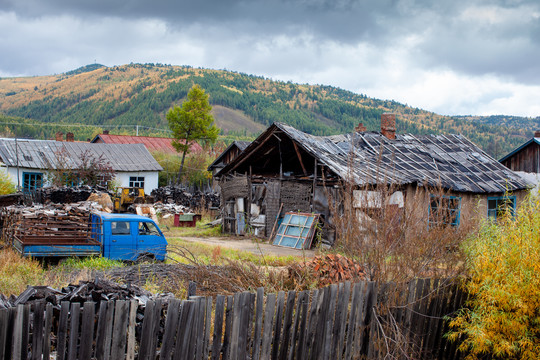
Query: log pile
x,y
195,201
64,195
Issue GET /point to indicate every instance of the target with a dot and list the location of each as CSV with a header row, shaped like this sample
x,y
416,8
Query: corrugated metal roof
x,y
49,154
451,161
151,143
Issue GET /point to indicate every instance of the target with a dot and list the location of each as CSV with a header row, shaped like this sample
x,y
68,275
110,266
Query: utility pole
x,y
17,157
137,129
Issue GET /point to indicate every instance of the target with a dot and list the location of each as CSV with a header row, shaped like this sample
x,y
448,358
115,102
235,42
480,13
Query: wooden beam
x,y
299,157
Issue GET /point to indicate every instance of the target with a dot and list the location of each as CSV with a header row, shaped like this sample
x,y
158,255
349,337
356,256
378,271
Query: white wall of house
x,y
13,171
150,179
122,179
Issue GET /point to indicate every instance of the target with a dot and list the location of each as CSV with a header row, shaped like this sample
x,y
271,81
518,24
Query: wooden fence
x,y
364,320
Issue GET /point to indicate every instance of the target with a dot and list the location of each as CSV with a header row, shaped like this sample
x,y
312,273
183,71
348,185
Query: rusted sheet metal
x,y
151,143
451,161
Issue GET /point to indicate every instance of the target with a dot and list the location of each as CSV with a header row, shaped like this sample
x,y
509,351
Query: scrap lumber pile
x,y
179,196
329,269
37,224
98,290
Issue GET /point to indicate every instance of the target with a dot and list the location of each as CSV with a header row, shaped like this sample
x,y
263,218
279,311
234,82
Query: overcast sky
x,y
448,56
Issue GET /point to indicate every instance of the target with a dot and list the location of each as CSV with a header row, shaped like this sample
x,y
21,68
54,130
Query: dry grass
x,y
16,273
400,244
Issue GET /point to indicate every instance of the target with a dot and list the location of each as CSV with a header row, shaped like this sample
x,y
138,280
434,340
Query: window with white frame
x,y
136,182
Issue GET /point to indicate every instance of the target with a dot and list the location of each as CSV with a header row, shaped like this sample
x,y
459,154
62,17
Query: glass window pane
x,y
120,228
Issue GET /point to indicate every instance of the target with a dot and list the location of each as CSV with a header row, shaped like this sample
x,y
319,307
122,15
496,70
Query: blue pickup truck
x,y
115,236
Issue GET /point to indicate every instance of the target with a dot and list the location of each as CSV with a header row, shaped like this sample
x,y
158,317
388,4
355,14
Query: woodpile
x,y
65,195
38,221
179,196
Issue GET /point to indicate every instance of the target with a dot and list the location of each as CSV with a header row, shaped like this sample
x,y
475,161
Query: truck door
x,y
150,241
122,244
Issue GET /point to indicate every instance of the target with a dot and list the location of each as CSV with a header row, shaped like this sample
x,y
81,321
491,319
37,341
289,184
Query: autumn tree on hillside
x,y
192,122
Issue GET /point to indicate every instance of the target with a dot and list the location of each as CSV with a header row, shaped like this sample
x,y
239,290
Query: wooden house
x,y
285,169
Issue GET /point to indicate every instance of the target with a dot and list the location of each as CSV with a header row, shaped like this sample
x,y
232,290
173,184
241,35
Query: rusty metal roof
x,y
47,154
451,161
152,143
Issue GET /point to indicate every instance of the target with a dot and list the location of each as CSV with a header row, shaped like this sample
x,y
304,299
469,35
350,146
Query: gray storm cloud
x,y
402,40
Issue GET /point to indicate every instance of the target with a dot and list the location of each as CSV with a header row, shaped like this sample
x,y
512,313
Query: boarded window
x,y
297,230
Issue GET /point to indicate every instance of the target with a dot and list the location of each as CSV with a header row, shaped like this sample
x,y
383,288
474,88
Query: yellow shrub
x,y
503,316
6,186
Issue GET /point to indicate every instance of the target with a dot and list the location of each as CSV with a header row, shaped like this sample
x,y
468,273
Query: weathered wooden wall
x,y
360,321
528,159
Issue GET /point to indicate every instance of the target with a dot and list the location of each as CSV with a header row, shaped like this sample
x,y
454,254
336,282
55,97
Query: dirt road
x,y
250,246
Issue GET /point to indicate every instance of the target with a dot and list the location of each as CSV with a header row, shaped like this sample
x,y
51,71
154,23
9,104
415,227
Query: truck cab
x,y
128,237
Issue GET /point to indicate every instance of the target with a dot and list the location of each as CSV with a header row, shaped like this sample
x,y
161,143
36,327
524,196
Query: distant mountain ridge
x,y
121,97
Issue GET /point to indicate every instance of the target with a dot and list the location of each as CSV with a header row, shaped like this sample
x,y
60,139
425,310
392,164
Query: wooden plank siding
x,y
341,321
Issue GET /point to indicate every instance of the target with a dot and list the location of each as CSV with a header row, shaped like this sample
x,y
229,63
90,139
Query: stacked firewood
x,y
176,195
65,195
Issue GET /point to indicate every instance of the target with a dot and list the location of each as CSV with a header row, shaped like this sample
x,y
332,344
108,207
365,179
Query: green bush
x,y
6,185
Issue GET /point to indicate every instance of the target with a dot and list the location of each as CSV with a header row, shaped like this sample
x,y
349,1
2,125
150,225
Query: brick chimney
x,y
70,137
388,125
105,132
360,128
59,136
537,133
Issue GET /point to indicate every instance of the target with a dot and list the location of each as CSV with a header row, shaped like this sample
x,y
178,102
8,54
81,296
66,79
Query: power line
x,y
84,125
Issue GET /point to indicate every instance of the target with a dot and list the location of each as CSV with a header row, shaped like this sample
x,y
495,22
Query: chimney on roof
x,y
388,125
360,128
105,132
59,136
537,133
70,137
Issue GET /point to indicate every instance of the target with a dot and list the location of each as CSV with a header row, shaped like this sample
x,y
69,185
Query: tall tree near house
x,y
192,122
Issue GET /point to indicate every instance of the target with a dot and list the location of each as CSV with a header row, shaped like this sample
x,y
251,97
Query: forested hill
x,y
121,97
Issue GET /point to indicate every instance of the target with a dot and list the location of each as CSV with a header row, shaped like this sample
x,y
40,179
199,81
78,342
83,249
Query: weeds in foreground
x,y
502,319
16,272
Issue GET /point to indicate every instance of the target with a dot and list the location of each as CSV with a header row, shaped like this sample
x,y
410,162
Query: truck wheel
x,y
145,257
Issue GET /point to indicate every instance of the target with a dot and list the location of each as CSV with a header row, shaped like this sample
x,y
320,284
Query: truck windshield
x,y
147,228
120,227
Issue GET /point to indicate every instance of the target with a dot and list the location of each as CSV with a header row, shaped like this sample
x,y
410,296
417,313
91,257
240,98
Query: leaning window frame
x,y
495,211
450,197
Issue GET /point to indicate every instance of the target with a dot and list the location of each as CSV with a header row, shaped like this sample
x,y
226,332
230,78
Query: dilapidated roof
x,y
47,154
219,162
451,161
